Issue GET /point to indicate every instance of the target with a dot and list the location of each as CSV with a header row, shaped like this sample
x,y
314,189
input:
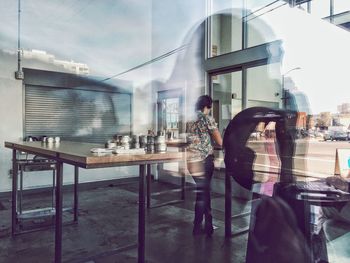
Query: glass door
x,y
263,86
226,90
233,91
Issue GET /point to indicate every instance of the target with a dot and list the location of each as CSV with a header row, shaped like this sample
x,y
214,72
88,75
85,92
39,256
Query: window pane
x,y
227,97
257,17
264,86
303,6
219,5
341,6
320,8
226,32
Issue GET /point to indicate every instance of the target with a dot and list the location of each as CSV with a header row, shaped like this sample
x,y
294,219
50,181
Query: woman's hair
x,y
204,101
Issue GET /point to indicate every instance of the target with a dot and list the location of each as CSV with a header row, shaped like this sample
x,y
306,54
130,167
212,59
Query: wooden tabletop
x,y
78,153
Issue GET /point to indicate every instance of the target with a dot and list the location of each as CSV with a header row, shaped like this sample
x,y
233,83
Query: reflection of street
x,y
312,159
315,159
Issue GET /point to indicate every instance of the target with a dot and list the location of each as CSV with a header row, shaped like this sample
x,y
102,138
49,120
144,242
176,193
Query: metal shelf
x,y
39,213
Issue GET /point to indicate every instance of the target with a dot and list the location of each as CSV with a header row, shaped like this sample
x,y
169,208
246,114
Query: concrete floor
x,y
107,229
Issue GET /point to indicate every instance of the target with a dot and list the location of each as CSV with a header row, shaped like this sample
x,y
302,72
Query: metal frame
x,y
17,195
62,157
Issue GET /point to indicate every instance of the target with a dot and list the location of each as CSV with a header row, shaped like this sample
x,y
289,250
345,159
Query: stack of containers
x,y
150,144
125,142
143,141
159,144
135,142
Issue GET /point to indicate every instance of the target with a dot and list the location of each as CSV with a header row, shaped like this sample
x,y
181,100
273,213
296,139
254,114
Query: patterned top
x,y
199,136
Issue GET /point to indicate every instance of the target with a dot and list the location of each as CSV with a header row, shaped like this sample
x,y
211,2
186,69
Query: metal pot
x,y
160,147
159,139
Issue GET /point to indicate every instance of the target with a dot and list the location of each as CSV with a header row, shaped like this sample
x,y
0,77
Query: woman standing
x,y
201,133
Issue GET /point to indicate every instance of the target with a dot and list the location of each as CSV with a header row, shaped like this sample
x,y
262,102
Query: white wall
x,y
11,129
10,115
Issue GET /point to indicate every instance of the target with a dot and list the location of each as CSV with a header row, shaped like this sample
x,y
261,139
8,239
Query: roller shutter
x,y
76,114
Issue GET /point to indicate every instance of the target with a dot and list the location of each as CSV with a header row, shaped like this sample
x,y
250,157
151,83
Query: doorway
x,y
170,113
226,90
244,87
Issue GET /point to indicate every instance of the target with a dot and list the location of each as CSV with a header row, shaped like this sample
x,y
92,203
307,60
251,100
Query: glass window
x,y
264,86
227,97
341,6
169,111
320,8
257,17
225,32
172,113
303,6
219,5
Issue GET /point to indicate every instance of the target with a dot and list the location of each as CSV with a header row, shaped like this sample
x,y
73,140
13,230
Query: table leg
x,y
58,224
76,181
148,185
53,187
20,196
142,224
14,192
228,200
183,174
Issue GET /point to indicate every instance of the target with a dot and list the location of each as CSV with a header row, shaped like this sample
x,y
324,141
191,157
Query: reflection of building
x,y
332,11
302,120
326,119
341,119
323,120
71,66
341,19
39,55
344,108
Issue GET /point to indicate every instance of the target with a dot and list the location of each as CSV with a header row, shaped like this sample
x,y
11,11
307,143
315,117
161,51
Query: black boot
x,y
209,229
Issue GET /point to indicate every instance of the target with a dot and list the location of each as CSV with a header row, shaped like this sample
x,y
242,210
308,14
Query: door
x,y
226,90
235,90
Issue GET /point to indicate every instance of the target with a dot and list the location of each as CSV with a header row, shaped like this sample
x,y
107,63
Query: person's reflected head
x,y
204,104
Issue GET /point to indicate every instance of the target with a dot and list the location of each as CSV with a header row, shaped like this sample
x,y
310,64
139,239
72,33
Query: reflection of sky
x,y
106,35
112,36
321,50
109,36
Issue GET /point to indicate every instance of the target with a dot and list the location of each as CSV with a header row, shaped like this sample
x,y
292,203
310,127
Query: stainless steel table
x,y
79,155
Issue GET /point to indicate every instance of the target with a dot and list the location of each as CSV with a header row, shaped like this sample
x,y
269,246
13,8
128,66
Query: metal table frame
x,y
18,165
61,157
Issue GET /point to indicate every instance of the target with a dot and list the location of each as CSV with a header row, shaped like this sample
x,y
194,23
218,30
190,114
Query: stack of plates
x,y
129,151
101,150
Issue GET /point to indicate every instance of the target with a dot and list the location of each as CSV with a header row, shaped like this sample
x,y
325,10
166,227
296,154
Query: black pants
x,y
202,206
